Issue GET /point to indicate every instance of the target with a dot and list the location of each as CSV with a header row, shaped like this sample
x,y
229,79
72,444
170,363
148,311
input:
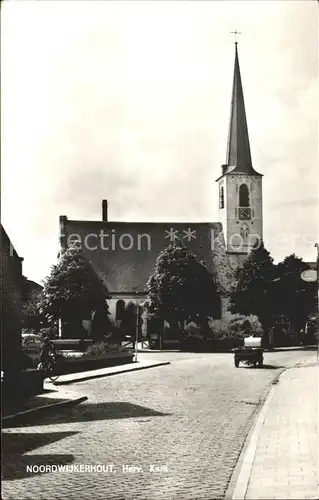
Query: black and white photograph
x,y
159,249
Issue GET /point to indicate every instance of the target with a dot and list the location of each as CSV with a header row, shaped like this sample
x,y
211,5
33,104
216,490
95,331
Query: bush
x,y
231,332
29,331
237,326
218,328
102,347
49,332
69,355
97,349
198,332
192,331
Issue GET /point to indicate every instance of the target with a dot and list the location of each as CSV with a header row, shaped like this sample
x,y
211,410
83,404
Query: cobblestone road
x,y
182,426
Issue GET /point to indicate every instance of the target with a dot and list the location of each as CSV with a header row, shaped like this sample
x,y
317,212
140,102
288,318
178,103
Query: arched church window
x,y
243,196
120,310
221,197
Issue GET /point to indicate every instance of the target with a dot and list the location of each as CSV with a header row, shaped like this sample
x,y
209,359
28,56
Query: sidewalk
x,y
281,459
107,372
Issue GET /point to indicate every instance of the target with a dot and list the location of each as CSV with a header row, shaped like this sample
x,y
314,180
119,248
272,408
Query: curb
x,y
186,351
41,409
158,350
223,351
100,375
238,485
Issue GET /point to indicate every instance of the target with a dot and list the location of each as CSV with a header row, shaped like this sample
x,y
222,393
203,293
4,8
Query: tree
x,y
181,289
32,318
295,298
73,291
253,292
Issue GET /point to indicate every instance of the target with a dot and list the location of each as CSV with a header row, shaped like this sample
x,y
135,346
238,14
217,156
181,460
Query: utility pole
x,y
161,336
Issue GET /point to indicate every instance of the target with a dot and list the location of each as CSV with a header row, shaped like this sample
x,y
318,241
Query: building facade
x,y
12,296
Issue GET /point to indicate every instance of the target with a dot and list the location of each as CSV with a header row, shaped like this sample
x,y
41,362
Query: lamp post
x,y
137,329
312,276
317,319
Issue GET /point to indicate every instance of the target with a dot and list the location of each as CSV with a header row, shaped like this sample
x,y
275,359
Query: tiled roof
x,y
131,248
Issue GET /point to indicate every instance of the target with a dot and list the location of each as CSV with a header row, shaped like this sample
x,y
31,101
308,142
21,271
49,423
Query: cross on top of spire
x,y
235,33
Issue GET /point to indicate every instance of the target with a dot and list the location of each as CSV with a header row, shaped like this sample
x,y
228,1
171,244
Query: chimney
x,y
104,210
63,232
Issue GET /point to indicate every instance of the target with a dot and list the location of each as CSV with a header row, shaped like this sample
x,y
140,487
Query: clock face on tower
x,y
244,213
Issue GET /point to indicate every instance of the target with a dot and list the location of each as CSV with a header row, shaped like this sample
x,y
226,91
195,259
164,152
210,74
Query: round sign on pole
x,y
309,275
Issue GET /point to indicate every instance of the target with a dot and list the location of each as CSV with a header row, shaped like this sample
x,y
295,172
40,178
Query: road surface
x,y
171,432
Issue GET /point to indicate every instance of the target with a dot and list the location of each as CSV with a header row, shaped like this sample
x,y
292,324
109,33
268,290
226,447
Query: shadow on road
x,y
264,367
271,367
89,412
300,348
15,445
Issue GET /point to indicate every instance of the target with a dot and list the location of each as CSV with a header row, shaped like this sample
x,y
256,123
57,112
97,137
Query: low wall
x,y
219,345
21,385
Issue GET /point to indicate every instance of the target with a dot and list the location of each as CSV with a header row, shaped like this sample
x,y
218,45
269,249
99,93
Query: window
x,y
120,310
244,233
221,197
243,196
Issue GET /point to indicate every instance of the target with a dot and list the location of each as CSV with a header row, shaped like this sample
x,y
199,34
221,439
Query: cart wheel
x,y
236,363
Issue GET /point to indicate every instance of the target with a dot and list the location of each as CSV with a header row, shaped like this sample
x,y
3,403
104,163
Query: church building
x,y
124,253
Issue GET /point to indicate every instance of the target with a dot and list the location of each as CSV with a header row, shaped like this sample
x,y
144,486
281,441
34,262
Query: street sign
x,y
309,275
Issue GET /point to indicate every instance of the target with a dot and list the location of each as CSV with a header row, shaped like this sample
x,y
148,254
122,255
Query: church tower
x,y
240,186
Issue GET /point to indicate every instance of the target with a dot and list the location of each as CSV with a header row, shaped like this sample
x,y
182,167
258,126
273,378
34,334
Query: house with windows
x,y
12,295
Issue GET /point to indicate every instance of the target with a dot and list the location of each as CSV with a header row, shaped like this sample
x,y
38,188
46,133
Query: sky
x,y
130,102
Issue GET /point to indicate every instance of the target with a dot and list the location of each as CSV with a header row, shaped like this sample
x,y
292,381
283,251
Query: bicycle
x,y
50,367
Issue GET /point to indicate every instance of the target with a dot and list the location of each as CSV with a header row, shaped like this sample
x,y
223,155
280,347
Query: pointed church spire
x,y
238,148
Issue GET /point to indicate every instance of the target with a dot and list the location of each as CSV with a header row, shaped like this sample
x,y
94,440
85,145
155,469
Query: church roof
x,y
6,242
130,249
238,157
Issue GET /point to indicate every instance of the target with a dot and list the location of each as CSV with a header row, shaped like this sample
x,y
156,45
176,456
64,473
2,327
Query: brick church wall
x,y
224,266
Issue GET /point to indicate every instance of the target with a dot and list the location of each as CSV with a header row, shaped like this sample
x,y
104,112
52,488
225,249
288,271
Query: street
x,y
171,432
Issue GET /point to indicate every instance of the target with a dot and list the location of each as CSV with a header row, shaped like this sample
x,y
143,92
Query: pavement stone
x,y
286,457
